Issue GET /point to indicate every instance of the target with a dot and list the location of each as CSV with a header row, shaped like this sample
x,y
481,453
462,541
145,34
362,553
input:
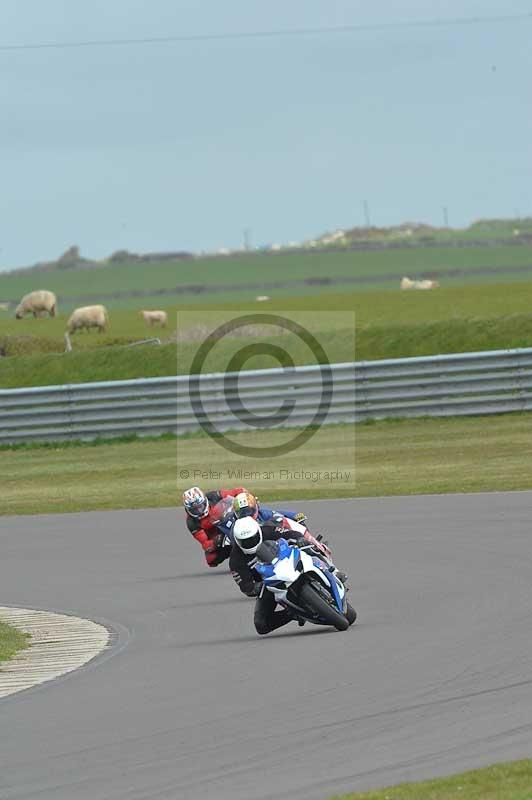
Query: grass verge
x,y
368,343
510,781
390,458
11,641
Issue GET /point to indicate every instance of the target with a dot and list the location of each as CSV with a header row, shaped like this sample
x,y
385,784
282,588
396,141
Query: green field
x,y
388,324
453,265
511,781
376,307
469,312
389,458
473,309
11,641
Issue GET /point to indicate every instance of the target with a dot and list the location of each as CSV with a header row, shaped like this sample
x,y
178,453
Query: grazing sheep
x,y
4,306
37,303
406,283
88,317
154,317
426,284
262,298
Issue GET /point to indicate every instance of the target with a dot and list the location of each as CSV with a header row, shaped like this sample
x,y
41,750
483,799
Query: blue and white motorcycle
x,y
302,582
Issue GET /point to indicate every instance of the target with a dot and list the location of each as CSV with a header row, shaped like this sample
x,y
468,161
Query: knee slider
x,y
261,627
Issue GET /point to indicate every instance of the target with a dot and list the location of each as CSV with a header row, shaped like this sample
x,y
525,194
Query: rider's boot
x,y
300,620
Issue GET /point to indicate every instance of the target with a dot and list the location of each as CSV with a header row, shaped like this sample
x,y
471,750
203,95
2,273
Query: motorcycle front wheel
x,y
317,603
351,614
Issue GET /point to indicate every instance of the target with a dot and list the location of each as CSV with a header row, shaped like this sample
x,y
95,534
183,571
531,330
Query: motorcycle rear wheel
x,y
310,597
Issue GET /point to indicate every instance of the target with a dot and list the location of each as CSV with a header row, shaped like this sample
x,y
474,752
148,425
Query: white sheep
x,y
426,284
154,317
406,283
88,317
37,303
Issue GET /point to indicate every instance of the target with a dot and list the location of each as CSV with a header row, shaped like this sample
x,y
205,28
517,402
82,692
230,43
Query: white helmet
x,y
248,535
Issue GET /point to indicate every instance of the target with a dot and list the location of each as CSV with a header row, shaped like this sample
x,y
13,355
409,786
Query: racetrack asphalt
x,y
190,703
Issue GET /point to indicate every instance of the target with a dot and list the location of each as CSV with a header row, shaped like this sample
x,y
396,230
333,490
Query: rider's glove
x,y
257,586
302,542
294,541
300,517
282,531
216,544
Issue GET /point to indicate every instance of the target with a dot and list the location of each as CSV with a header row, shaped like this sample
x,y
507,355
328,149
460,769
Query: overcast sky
x,y
183,145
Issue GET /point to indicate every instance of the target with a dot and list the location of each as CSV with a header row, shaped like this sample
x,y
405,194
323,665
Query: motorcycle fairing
x,y
283,569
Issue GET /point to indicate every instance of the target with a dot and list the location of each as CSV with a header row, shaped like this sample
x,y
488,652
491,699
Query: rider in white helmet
x,y
249,535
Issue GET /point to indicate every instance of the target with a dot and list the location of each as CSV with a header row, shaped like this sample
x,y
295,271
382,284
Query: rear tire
x,y
331,615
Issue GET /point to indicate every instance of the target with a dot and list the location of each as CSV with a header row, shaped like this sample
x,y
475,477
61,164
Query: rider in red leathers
x,y
202,513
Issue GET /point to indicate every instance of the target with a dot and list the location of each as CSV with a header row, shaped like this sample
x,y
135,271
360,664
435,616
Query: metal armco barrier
x,y
490,382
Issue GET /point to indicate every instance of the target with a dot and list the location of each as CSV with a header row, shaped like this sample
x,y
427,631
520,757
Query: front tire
x,y
316,602
351,614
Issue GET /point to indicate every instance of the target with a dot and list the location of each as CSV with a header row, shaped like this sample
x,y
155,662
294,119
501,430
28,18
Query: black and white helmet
x,y
248,535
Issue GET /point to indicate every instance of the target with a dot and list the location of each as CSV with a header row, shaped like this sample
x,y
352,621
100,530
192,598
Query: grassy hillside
x,y
242,277
122,363
415,233
389,324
